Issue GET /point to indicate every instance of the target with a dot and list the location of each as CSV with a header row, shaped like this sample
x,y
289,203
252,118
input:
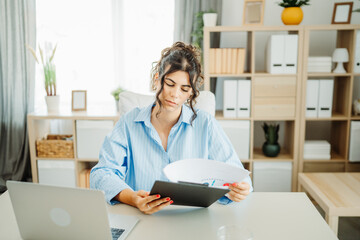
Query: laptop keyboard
x,y
116,233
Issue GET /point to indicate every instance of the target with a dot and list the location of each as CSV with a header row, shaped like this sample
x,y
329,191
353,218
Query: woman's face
x,y
176,90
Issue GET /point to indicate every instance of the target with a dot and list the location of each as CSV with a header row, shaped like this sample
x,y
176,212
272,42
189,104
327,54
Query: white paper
x,y
215,173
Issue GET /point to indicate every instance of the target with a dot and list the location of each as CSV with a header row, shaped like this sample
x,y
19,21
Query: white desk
x,y
268,215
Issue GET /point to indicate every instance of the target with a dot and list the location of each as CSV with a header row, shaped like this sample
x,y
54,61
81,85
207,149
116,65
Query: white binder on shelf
x,y
275,54
312,92
326,88
354,150
238,131
357,53
290,54
230,98
243,98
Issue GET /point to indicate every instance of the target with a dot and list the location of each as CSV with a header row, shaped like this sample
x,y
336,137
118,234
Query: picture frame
x,y
78,100
253,12
342,13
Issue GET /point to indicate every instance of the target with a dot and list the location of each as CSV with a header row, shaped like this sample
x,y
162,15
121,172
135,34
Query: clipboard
x,y
188,194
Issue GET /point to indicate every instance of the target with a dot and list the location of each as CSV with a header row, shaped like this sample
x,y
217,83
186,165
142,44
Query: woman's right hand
x,y
150,204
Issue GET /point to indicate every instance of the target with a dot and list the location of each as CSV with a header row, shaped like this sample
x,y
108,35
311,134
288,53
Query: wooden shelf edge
x,y
52,158
87,160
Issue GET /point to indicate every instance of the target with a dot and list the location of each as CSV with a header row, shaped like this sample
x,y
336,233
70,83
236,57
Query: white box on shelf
x,y
326,88
357,53
238,131
230,98
243,98
90,135
312,91
272,176
354,149
275,54
57,172
290,54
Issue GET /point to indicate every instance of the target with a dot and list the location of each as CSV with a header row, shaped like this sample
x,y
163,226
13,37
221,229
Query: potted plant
x,y
208,17
116,94
47,57
292,13
271,147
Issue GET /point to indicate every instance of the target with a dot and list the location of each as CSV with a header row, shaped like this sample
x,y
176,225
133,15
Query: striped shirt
x,y
132,155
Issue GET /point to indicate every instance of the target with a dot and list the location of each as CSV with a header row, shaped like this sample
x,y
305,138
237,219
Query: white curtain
x,y
17,79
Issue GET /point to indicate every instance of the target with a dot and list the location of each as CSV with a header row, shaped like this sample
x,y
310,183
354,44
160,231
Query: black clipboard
x,y
188,194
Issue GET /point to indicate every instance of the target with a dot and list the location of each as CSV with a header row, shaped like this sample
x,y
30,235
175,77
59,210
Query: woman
x,y
145,140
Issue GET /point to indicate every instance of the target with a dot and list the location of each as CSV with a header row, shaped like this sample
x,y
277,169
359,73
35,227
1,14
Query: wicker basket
x,y
55,146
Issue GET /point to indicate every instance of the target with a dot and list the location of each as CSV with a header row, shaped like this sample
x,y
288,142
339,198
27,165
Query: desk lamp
x,y
340,55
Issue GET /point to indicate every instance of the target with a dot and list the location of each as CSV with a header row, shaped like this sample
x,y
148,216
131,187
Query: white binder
x,y
243,98
357,53
275,54
326,88
230,98
290,54
354,149
312,92
238,131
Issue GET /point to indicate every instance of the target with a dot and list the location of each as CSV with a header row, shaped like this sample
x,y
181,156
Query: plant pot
x,y
210,19
117,106
52,103
292,16
271,150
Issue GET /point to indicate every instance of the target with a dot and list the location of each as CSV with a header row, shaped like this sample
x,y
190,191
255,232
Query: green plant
x,y
198,32
116,93
48,66
271,133
293,3
357,10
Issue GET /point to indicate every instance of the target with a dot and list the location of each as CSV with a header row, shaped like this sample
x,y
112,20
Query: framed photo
x,y
78,102
342,13
253,12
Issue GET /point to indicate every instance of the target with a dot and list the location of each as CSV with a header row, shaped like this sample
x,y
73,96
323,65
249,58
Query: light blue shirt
x,y
132,155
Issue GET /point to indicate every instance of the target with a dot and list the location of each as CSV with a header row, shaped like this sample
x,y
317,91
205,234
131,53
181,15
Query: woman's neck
x,y
165,118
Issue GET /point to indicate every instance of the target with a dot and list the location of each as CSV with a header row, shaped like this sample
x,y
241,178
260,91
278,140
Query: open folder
x,y
197,182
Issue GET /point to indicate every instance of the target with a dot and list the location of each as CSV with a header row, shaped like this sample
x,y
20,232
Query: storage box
x,y
272,176
57,172
90,135
55,146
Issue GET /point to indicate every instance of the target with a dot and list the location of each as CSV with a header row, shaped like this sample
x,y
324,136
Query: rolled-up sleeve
x,y
109,173
221,149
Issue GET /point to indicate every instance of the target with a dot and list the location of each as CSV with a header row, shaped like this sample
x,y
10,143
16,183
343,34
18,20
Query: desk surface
x,y
337,193
268,215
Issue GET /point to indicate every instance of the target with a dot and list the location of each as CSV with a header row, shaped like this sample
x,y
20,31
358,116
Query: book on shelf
x,y
226,60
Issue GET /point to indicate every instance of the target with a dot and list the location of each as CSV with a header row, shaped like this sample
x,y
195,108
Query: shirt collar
x,y
145,115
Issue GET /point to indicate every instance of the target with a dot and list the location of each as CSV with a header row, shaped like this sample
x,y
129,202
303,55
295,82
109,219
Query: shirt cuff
x,y
224,200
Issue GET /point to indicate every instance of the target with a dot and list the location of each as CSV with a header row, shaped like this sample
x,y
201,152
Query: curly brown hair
x,y
180,57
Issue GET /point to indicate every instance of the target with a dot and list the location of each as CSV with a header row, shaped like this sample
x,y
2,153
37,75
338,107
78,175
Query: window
x,y
84,31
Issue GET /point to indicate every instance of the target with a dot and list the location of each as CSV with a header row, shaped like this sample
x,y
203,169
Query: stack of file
x,y
317,149
319,64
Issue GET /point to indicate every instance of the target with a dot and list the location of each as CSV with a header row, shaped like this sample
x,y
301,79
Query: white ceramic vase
x,y
52,103
210,19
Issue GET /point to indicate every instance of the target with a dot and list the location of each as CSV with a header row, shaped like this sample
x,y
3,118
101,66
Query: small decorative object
x,y
271,147
340,55
292,13
357,107
357,10
52,100
116,94
78,100
253,12
210,19
342,13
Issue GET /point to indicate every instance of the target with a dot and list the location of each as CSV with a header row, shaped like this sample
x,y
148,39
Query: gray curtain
x,y
17,80
185,16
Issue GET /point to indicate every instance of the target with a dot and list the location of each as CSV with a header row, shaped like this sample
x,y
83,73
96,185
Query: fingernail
x,y
167,199
158,196
171,201
226,184
234,184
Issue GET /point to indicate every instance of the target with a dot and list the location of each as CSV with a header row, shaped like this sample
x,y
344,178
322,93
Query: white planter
x,y
210,19
52,103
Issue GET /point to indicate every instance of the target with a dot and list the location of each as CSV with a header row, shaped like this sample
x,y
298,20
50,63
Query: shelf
x,y
335,157
356,74
335,117
274,118
284,155
229,75
219,115
355,117
266,74
328,74
52,158
252,28
87,160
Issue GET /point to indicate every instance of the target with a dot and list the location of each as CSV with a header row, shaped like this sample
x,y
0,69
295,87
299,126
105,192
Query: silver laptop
x,y
49,212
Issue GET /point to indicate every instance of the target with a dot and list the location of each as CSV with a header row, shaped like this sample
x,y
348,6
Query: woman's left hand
x,y
239,191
